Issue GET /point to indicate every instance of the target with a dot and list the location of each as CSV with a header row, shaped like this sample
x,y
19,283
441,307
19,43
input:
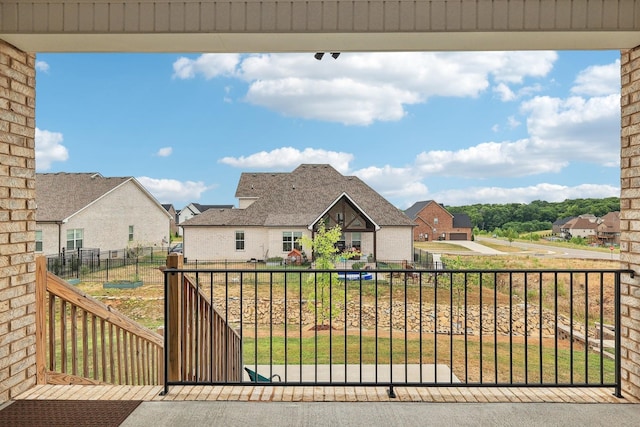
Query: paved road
x,y
553,251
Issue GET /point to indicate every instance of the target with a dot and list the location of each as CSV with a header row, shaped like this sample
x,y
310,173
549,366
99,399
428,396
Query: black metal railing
x,y
533,328
93,265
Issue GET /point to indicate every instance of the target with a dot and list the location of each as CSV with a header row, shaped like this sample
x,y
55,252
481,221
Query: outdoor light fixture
x,y
319,55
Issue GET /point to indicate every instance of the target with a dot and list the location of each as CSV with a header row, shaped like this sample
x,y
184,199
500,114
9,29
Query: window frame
x,y
39,242
291,240
242,240
77,235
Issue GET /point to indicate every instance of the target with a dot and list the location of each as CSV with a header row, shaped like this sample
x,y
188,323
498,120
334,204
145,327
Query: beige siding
x,y
105,224
219,243
395,244
275,240
182,16
51,240
318,25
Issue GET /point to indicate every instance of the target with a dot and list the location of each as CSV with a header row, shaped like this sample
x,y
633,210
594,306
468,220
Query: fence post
x,y
172,298
41,318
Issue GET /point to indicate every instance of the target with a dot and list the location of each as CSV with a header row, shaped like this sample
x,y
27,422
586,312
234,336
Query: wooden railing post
x,y
173,322
41,320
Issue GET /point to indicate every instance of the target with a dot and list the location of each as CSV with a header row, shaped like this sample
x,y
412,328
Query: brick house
x,y
434,222
276,209
88,210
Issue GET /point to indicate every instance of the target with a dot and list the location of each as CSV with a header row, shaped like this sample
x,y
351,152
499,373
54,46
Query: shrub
x,y
358,265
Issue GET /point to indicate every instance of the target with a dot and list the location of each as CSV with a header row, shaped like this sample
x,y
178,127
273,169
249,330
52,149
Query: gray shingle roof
x,y
298,198
60,195
415,209
462,220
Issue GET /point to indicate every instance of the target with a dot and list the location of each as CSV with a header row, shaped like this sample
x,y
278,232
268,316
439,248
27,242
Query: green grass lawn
x,y
510,366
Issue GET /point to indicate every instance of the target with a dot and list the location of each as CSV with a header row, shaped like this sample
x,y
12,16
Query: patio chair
x,y
257,378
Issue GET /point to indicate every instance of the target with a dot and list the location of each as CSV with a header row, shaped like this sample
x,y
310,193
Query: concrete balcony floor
x,y
370,406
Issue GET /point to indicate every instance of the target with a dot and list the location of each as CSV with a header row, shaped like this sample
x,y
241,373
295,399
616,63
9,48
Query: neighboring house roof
x,y
417,207
581,223
562,221
461,220
610,223
60,196
297,198
203,208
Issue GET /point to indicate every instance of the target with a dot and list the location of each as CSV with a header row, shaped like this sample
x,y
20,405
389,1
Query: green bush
x,y
358,265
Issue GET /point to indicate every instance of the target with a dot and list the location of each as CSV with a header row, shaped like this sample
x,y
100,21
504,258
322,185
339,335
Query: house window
x,y
435,220
38,240
131,233
74,239
356,241
291,240
239,240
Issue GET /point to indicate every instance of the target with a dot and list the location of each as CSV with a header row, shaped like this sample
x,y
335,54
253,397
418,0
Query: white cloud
x,y
394,183
171,190
49,149
513,122
543,191
287,158
576,128
209,65
164,152
42,66
504,92
362,88
560,131
490,159
598,80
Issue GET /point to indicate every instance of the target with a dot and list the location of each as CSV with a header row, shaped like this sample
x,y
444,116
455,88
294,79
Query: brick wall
x,y
17,221
425,223
630,219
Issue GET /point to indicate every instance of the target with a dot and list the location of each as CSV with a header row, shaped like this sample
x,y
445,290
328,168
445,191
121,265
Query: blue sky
x,y
455,127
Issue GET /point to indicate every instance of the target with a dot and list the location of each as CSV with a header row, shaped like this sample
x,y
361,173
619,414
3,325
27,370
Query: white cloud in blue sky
x,y
164,152
462,127
49,149
42,66
174,190
288,158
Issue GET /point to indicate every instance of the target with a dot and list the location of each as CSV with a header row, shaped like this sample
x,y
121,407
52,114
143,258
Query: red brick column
x,y
630,219
17,221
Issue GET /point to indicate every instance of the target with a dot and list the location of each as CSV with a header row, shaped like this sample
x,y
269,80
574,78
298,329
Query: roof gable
x,y
59,196
414,211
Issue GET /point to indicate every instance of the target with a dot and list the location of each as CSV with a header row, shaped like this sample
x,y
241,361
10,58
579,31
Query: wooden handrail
x,y
202,347
88,342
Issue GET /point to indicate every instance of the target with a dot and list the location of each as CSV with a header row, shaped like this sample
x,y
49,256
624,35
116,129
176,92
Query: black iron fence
x,y
144,265
129,264
533,328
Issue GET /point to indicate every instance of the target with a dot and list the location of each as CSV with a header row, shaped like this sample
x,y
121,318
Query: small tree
x,y
326,255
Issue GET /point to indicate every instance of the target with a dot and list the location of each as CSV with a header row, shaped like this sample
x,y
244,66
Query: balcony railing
x,y
80,340
533,328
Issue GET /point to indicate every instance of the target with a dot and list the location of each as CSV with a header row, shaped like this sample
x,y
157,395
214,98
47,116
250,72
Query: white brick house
x,y
276,209
87,210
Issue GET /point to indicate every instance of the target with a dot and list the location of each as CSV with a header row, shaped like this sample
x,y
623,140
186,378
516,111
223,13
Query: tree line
x,y
535,216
